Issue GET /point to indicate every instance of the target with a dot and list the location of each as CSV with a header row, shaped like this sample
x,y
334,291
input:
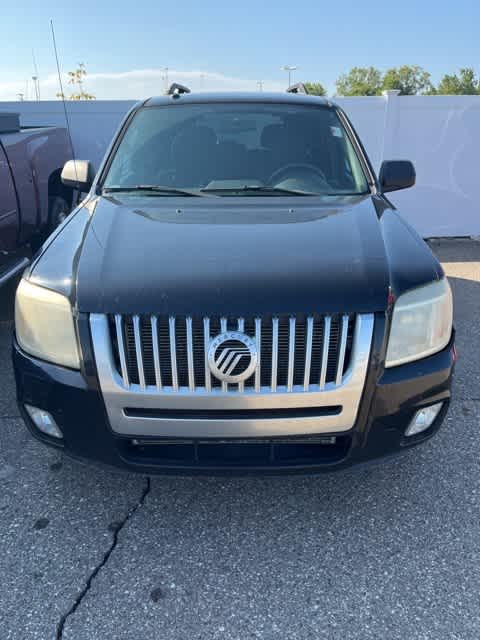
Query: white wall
x,y
92,123
440,134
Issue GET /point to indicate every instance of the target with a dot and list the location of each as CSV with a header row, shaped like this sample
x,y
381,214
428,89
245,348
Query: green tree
x,y
76,78
360,81
315,88
463,83
410,80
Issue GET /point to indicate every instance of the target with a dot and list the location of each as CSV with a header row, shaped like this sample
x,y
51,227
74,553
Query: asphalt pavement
x,y
388,552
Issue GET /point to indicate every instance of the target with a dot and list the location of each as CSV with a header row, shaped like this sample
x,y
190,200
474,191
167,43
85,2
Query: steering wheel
x,y
277,175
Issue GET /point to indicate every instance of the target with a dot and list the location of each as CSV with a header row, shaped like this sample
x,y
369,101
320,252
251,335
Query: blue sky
x,y
124,44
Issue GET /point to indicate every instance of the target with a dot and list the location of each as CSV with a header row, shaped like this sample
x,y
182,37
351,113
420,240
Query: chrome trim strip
x,y
156,354
308,354
274,353
291,352
206,343
121,350
229,428
258,338
138,351
326,343
191,371
343,346
173,352
116,397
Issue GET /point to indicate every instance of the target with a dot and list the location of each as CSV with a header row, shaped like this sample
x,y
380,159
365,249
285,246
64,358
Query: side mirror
x,y
78,174
396,175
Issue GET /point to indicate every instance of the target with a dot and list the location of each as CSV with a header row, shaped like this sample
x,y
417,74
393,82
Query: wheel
x,y
58,210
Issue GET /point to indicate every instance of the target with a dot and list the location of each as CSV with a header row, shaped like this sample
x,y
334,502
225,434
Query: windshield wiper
x,y
152,188
258,189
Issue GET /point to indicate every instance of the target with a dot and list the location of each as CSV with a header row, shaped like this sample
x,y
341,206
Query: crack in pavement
x,y
99,567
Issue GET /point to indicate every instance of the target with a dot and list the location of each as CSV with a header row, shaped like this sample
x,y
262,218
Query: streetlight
x,y
290,68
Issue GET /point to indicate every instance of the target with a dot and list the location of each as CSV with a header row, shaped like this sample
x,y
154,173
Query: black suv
x,y
235,293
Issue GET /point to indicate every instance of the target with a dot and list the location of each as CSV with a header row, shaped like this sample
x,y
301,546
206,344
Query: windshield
x,y
246,149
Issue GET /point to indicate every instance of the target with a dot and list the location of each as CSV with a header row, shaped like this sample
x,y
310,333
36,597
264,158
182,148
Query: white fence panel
x,y
368,117
440,134
92,123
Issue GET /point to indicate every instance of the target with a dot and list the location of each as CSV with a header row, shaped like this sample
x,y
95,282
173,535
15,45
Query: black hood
x,y
232,256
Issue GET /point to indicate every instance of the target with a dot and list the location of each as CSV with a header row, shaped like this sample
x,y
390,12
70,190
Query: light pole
x,y
290,68
260,85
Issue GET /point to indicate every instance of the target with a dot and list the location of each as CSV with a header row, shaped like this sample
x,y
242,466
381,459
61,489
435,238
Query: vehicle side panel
x,y
33,156
9,216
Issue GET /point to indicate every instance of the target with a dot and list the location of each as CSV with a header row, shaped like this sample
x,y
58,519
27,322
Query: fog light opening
x,y
44,421
423,419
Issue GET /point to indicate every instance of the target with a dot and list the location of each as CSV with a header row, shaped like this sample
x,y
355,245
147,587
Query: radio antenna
x,y
62,95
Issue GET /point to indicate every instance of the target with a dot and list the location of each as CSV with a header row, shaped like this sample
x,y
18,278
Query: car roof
x,y
238,96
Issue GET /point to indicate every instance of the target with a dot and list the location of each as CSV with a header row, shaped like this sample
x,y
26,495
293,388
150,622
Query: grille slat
x,y
343,346
173,353
156,353
206,340
274,353
326,344
291,353
191,373
138,351
223,328
241,327
308,354
258,338
121,350
295,353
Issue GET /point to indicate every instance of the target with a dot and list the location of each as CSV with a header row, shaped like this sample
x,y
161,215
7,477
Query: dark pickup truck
x,y
235,294
33,200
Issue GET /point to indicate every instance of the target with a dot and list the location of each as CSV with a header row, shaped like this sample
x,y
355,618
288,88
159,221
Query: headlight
x,y
421,323
44,325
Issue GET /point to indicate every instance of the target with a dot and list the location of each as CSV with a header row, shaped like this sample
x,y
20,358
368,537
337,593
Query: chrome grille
x,y
301,353
318,405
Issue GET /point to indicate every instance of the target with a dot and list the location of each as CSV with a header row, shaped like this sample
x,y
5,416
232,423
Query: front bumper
x,y
390,399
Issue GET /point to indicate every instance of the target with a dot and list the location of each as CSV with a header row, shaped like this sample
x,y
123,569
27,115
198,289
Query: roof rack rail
x,y
297,88
175,90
